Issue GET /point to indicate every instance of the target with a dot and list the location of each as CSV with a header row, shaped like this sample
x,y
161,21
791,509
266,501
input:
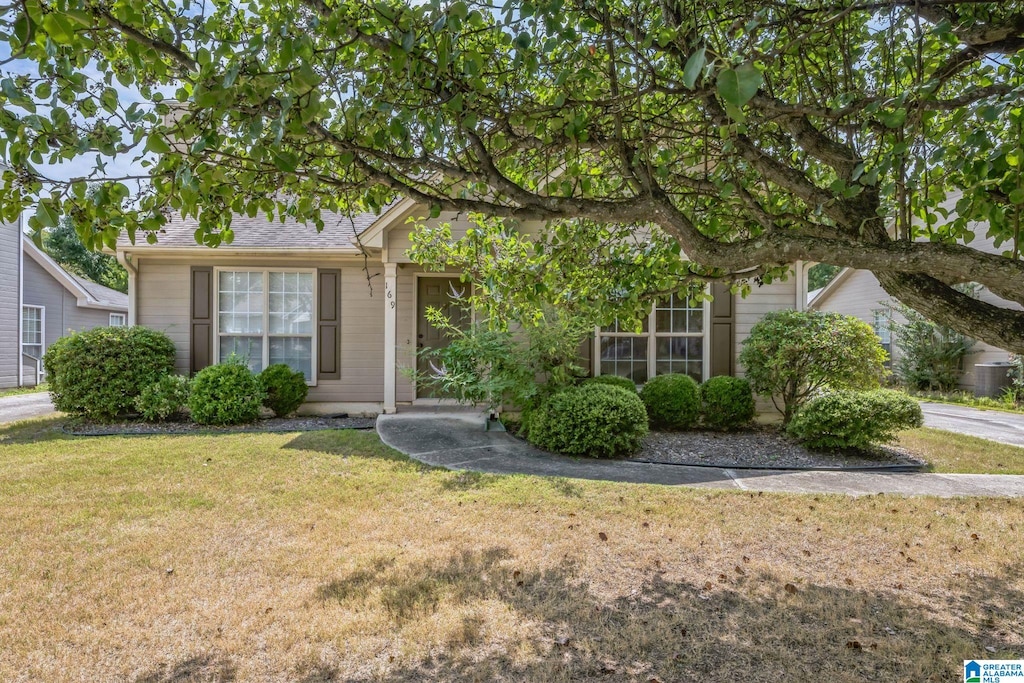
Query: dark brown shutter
x,y
328,346
201,328
723,326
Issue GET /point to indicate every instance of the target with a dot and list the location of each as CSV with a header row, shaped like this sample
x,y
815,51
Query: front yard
x,y
327,556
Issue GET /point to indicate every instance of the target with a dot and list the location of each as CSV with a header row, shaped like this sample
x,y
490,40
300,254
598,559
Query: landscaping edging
x,y
901,467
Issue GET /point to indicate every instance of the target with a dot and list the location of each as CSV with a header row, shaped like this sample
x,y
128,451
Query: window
x,y
675,345
118,320
266,317
32,318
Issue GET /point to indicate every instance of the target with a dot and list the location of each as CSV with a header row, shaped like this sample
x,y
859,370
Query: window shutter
x,y
328,342
201,324
723,326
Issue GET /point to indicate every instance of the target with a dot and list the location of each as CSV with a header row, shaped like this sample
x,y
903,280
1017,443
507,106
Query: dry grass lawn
x,y
951,452
326,556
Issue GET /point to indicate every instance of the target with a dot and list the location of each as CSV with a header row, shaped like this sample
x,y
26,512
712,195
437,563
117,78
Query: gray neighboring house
x,y
41,303
10,303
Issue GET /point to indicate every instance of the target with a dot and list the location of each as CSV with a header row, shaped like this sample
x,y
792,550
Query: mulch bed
x,y
760,447
276,424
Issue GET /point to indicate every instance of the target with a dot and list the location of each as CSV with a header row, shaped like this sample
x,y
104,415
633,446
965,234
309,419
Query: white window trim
x,y
266,335
122,316
41,374
652,342
878,315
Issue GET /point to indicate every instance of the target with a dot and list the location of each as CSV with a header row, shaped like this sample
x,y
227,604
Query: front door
x,y
435,292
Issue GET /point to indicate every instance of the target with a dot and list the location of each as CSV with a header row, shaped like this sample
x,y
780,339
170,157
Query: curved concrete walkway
x,y
458,441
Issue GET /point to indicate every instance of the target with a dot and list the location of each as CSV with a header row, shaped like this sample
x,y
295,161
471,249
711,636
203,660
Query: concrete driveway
x,y
987,424
25,406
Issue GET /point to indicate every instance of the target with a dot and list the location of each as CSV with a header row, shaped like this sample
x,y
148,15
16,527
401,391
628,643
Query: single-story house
x,y
40,302
858,293
346,307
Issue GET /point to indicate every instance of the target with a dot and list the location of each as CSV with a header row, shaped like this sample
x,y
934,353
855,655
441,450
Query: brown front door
x,y
435,292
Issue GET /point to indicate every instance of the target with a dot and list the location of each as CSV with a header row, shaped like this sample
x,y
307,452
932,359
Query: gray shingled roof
x,y
104,296
259,233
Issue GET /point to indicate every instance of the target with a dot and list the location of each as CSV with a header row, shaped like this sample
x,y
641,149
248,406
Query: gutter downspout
x,y
133,271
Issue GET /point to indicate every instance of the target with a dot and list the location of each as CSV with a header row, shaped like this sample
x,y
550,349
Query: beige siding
x,y
10,311
162,303
362,340
777,296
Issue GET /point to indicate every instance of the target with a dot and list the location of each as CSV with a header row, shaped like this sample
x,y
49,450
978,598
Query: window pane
x,y
240,302
683,355
291,303
295,352
624,356
31,325
616,327
675,314
249,349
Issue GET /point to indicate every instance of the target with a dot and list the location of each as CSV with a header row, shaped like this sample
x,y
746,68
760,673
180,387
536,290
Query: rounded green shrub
x,y
672,401
597,420
792,355
98,373
727,402
164,399
225,394
855,419
285,389
612,380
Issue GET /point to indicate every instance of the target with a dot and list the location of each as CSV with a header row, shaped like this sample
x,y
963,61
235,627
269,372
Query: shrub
x,y
284,389
164,398
98,373
597,420
612,380
931,356
792,355
855,419
225,394
727,402
672,401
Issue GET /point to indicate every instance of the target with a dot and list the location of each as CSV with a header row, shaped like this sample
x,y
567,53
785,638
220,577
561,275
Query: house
x,y
346,307
40,302
10,303
858,293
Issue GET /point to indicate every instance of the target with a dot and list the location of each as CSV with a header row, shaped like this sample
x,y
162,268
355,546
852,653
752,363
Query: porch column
x,y
390,334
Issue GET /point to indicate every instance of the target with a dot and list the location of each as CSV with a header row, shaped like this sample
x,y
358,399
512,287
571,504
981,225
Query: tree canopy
x,y
874,134
65,247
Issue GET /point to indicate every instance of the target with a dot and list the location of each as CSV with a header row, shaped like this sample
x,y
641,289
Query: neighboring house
x,y
10,303
56,302
346,307
858,293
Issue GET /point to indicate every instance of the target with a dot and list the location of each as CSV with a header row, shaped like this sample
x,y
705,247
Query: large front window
x,y
266,317
671,340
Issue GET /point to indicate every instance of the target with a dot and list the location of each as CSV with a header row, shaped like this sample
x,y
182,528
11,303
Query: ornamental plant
x,y
98,373
855,419
596,420
791,355
225,394
672,401
727,402
284,389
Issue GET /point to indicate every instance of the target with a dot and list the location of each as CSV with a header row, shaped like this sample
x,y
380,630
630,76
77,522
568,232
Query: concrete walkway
x,y
458,441
994,425
25,406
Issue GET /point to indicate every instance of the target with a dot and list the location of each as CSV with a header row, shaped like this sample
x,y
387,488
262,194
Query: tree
x,y
820,274
64,245
836,131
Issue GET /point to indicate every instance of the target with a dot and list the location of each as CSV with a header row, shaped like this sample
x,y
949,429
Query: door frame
x,y
416,400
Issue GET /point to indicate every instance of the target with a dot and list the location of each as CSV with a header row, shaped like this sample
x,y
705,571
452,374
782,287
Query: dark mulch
x,y
758,447
276,424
